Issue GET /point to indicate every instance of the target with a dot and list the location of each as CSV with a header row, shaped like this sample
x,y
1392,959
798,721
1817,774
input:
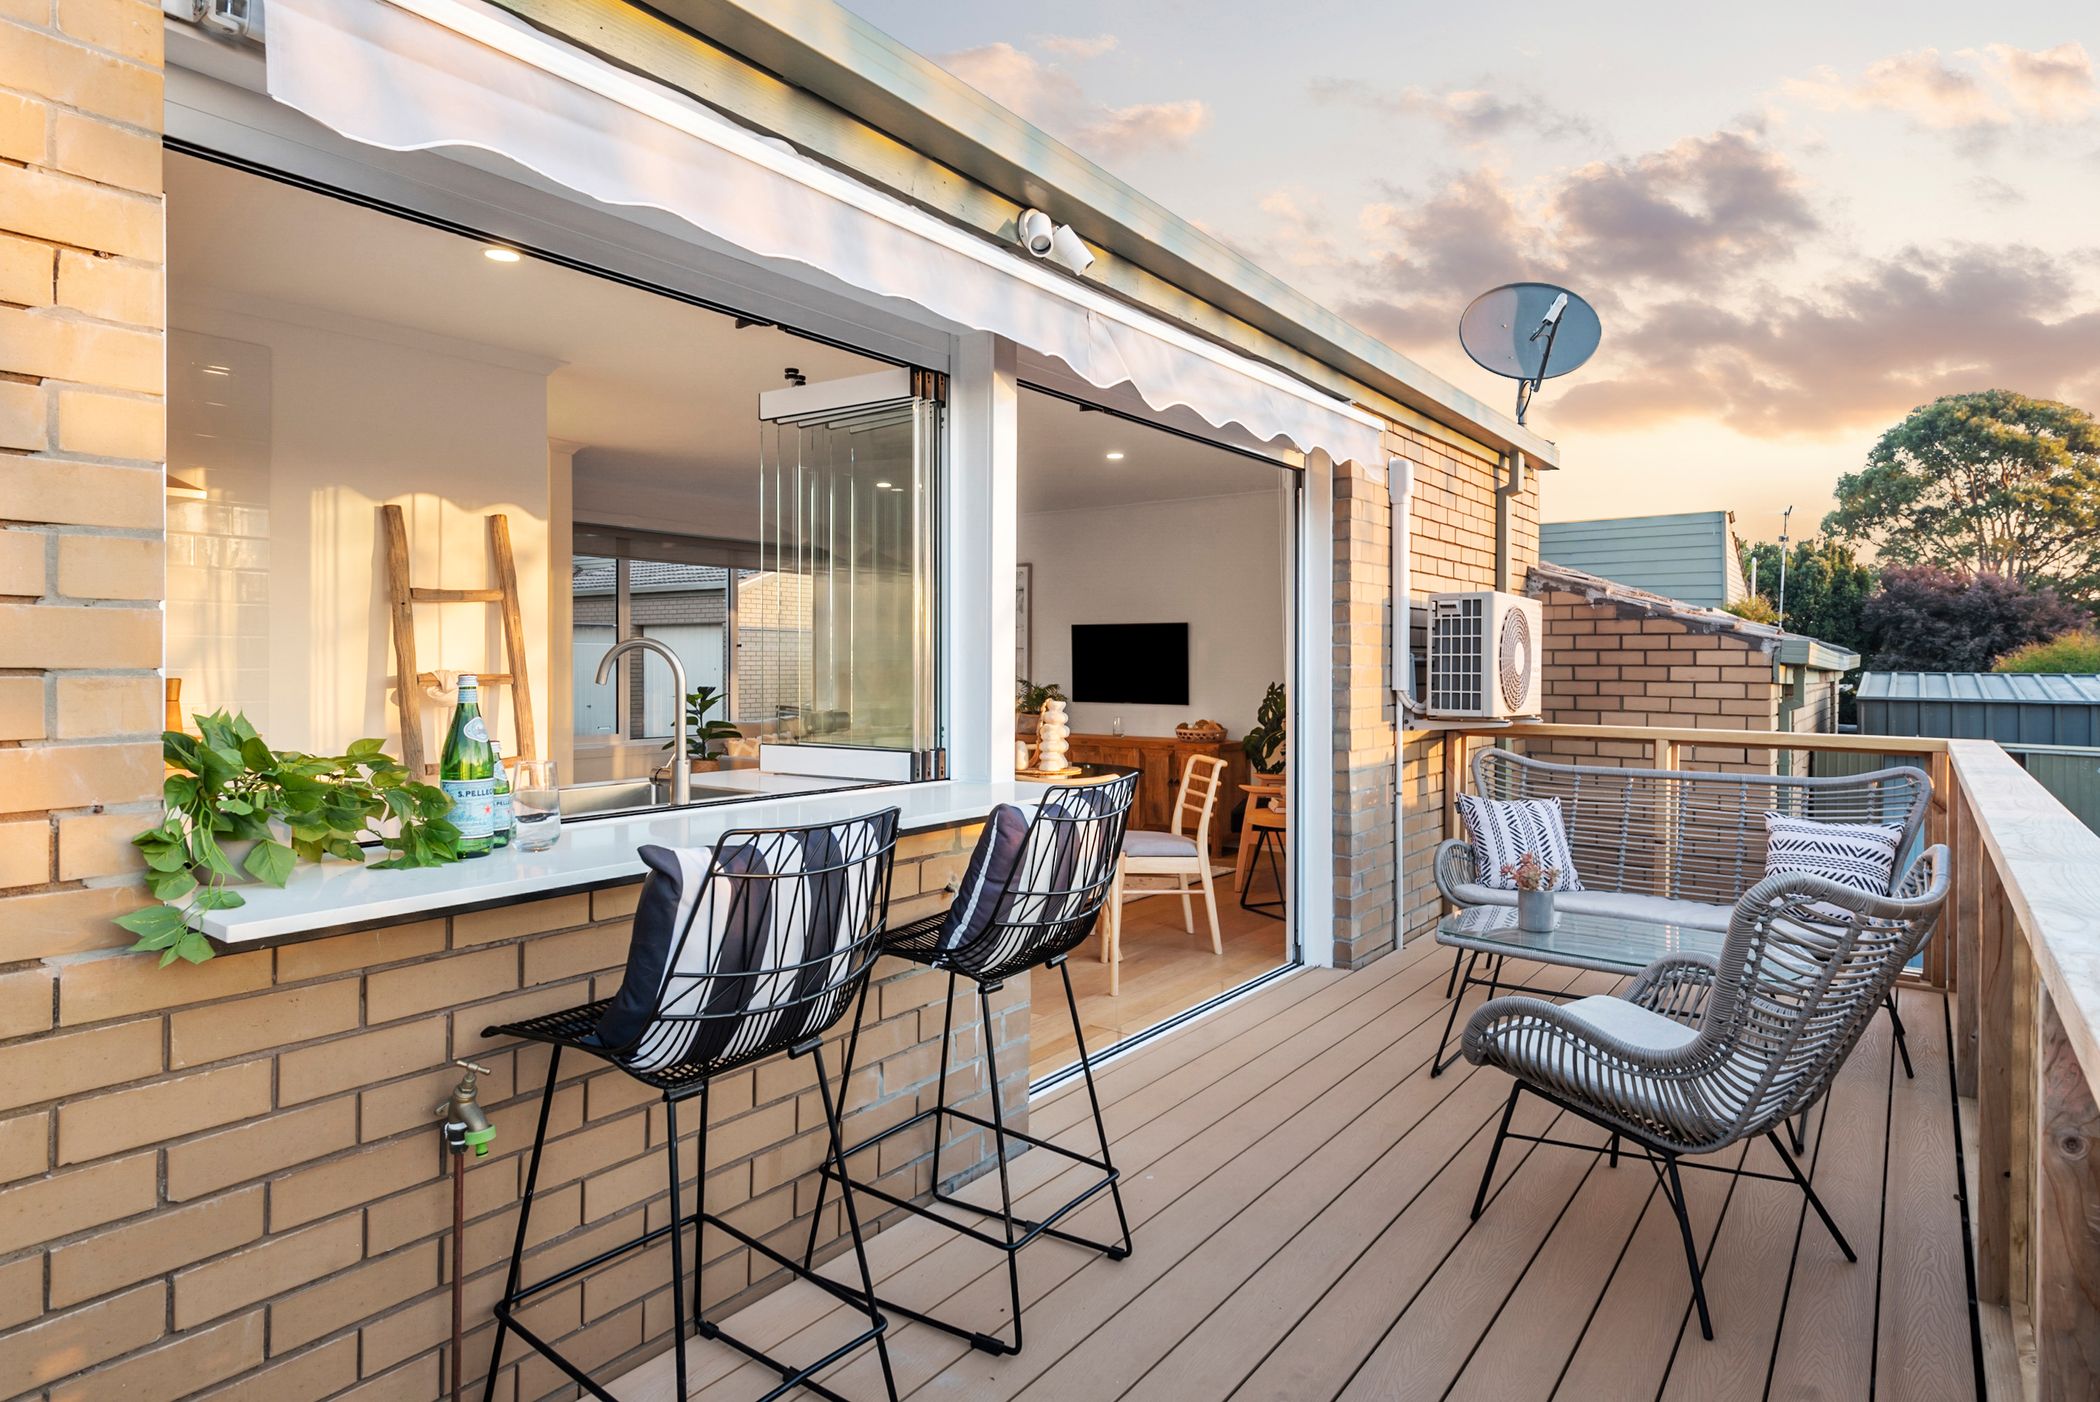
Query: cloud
x,y
1977,93
1920,85
1857,350
1075,45
1475,116
1688,214
2051,85
1052,99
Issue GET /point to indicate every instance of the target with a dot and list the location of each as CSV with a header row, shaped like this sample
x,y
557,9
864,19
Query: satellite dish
x,y
1529,332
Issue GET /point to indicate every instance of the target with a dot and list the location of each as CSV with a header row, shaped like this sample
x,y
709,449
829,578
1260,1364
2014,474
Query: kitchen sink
x,y
613,796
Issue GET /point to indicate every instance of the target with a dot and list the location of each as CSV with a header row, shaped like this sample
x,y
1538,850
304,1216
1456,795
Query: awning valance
x,y
417,75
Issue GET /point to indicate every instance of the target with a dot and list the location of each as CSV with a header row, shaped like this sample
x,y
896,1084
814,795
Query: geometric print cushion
x,y
1504,829
1859,855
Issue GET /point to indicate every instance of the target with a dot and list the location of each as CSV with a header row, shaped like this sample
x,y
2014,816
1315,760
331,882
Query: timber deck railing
x,y
2020,957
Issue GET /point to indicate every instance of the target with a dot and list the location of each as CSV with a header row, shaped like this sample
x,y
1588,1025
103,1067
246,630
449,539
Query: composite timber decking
x,y
1299,1186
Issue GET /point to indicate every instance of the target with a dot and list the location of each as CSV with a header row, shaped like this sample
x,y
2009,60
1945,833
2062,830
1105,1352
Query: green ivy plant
x,y
225,785
703,736
1263,742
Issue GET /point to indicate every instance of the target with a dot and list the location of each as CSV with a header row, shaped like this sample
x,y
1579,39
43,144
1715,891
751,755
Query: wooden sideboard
x,y
1159,760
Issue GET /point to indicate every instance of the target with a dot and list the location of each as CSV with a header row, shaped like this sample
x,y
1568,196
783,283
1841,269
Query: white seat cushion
x,y
1692,915
1157,844
1630,1022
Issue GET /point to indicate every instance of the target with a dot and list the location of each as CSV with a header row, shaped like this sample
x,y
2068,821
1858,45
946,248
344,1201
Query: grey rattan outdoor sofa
x,y
1681,846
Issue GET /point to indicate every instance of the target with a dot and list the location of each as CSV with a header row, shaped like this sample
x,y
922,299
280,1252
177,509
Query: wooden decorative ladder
x,y
402,597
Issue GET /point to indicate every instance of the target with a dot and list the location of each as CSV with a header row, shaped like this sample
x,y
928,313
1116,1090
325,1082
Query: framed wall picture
x,y
1024,619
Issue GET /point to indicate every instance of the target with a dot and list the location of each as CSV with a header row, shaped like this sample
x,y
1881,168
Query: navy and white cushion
x,y
692,933
1859,855
1504,829
986,879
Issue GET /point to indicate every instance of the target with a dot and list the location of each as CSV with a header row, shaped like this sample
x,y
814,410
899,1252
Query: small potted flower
x,y
704,738
1534,882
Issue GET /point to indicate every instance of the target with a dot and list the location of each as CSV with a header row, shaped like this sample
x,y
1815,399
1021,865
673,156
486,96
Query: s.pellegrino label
x,y
467,772
506,821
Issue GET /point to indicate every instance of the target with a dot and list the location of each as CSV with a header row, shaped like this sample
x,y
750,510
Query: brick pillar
x,y
82,443
1363,719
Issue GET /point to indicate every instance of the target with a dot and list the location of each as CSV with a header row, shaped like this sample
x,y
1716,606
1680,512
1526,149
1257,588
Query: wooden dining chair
x,y
1183,854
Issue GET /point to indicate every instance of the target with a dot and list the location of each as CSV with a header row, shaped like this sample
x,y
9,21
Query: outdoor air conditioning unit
x,y
1484,655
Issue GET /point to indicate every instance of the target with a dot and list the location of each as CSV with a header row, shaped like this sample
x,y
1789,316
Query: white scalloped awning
x,y
415,75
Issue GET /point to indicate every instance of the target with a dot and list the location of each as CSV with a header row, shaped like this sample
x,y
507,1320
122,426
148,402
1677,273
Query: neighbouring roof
x,y
1690,556
593,574
2016,688
1793,649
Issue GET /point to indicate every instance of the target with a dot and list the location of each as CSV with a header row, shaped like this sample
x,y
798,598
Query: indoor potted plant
x,y
1534,882
704,737
1263,742
1028,704
235,810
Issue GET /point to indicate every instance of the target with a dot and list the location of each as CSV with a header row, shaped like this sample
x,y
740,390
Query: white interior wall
x,y
451,432
1211,562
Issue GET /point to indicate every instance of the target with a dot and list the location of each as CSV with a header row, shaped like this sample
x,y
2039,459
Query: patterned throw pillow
x,y
1504,829
1859,855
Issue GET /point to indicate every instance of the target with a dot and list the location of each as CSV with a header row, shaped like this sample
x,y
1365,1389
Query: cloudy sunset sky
x,y
1797,220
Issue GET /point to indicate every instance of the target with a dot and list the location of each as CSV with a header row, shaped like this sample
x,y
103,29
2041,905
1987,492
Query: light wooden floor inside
x,y
1166,970
1299,1186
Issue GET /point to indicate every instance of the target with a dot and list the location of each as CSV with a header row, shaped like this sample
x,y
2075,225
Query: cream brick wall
x,y
228,1174
82,433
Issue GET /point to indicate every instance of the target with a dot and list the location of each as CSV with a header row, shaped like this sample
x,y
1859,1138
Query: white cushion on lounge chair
x,y
1693,915
1630,1022
1157,844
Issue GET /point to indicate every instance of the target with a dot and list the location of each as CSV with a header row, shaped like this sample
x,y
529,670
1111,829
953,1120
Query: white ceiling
x,y
662,395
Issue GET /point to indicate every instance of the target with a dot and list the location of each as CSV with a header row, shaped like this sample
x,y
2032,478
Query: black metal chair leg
x,y
1615,1151
700,1324
677,1241
816,1217
940,1087
517,1250
1436,1067
833,1108
1006,1191
1813,1201
1458,957
1902,1042
1115,1187
1674,1191
1487,1174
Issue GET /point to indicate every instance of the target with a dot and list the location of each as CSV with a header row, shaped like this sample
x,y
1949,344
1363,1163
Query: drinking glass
x,y
535,797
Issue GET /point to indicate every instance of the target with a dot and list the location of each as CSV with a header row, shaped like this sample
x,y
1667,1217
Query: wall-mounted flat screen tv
x,y
1139,664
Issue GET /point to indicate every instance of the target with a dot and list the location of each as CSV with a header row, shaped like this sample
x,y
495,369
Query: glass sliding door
x,y
841,613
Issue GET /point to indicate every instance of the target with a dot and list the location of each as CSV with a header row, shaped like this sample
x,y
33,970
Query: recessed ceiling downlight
x,y
1114,457
500,255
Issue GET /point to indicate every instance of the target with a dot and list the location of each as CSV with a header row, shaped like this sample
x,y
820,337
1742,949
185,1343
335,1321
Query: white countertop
x,y
592,851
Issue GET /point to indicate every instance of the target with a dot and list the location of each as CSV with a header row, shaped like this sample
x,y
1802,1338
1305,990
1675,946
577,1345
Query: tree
x,y
1926,619
2071,652
1992,483
1826,587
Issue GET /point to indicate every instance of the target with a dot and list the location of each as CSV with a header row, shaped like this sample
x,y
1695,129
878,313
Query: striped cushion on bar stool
x,y
1023,904
741,952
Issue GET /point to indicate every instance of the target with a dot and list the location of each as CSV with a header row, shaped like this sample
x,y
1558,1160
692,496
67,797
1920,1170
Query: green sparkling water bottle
x,y
506,819
467,772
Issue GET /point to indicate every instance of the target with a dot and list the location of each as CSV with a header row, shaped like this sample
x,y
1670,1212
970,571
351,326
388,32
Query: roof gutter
x,y
819,47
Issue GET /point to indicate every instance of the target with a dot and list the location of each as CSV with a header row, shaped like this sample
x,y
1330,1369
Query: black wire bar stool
x,y
756,947
1043,909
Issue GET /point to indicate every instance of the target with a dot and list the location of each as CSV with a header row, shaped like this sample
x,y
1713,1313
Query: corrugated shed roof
x,y
2016,688
1684,556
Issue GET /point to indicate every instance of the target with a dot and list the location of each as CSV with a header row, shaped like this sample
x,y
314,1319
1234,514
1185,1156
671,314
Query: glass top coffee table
x,y
1612,944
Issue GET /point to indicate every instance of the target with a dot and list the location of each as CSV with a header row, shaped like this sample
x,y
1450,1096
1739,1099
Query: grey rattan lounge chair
x,y
1700,1055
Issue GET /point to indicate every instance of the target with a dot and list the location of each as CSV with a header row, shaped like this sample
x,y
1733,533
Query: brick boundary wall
x,y
227,1180
1615,664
